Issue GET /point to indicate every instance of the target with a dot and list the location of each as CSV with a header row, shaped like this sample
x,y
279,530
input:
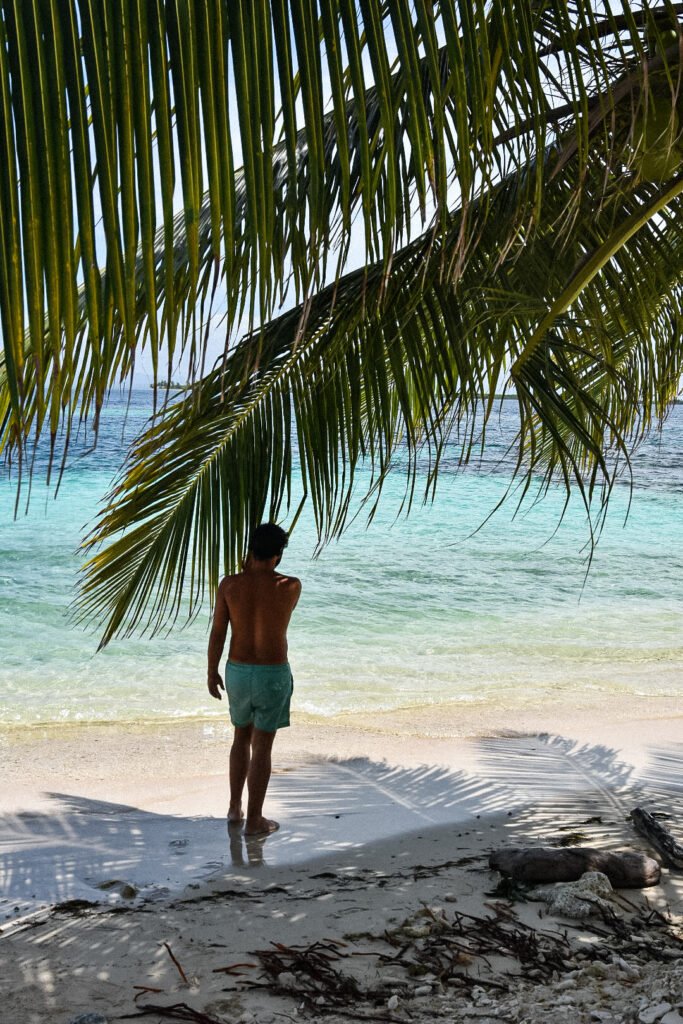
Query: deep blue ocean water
x,y
424,610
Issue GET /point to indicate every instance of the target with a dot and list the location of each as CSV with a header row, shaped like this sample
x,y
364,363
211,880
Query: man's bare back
x,y
257,604
260,603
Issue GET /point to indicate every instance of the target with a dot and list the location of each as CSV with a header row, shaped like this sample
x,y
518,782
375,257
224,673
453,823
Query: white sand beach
x,y
114,843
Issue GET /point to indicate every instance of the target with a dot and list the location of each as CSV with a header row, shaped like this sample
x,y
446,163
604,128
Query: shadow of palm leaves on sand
x,y
582,794
81,848
663,773
558,767
662,782
543,788
565,789
428,793
71,848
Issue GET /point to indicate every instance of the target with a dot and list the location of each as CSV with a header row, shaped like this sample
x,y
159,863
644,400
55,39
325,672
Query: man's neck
x,y
255,565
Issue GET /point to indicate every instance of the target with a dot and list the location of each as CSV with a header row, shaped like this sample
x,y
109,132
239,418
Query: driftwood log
x,y
538,864
657,836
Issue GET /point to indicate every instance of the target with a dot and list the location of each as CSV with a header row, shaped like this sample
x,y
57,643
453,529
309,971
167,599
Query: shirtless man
x,y
258,604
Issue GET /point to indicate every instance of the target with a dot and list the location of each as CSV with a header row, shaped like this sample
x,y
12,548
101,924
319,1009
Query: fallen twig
x,y
144,990
232,969
179,968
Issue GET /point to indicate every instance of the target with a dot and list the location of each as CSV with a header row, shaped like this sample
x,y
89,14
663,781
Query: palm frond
x,y
395,367
533,148
136,112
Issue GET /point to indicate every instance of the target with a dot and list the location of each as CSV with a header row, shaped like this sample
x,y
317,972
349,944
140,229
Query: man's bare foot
x,y
261,827
235,816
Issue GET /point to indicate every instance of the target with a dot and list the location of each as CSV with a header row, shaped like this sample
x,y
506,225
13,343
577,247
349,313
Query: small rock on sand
x,y
650,1014
577,899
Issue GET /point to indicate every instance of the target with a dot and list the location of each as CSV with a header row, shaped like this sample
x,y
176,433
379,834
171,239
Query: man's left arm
x,y
295,590
219,631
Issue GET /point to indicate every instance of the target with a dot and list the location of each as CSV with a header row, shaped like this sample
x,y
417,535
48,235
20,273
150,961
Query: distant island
x,y
171,385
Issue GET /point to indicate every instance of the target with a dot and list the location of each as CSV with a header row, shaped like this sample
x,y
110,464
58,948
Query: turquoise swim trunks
x,y
259,694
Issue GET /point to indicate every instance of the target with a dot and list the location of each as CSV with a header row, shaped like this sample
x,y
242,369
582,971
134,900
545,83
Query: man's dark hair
x,y
268,541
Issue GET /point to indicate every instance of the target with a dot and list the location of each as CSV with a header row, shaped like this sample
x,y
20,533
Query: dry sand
x,y
379,821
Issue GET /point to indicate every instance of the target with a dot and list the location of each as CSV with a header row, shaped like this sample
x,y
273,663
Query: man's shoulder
x,y
292,582
228,582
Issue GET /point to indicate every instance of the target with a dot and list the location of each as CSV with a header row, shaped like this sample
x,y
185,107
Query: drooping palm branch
x,y
112,106
400,366
517,130
112,110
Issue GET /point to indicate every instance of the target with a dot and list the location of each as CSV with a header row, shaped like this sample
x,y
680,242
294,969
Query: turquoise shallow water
x,y
410,612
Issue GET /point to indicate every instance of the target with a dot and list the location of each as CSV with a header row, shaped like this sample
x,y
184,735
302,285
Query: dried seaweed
x,y
510,889
454,950
311,967
448,950
443,948
446,947
573,839
177,1011
77,908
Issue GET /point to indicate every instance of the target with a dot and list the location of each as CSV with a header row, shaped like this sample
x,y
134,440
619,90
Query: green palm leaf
x,y
412,370
523,143
133,113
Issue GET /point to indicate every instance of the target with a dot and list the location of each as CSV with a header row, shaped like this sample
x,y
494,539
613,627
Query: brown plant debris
x,y
177,1011
446,947
233,969
455,950
145,990
178,966
663,841
307,972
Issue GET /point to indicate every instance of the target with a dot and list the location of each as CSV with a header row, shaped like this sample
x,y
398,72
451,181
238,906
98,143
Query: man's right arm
x,y
219,630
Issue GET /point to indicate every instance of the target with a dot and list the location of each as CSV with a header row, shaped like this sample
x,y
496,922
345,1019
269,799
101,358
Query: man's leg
x,y
239,767
257,780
